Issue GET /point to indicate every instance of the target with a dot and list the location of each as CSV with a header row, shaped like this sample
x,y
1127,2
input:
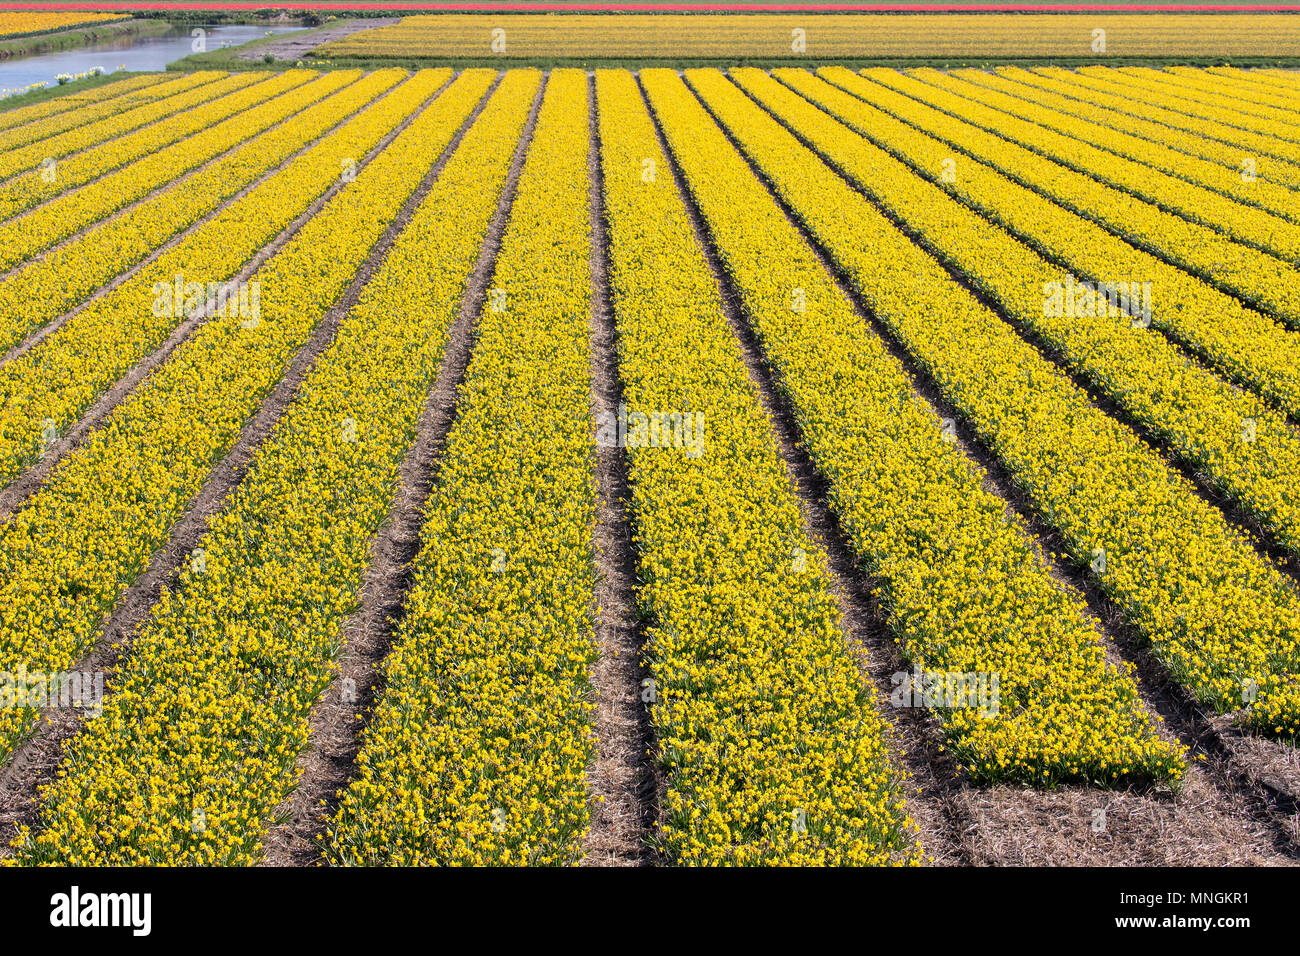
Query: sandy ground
x,y
295,46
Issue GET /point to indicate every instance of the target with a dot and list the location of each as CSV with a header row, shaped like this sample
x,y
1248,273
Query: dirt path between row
x,y
626,787
295,46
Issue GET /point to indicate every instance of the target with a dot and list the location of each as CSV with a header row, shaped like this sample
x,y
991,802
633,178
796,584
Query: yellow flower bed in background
x,y
25,23
821,36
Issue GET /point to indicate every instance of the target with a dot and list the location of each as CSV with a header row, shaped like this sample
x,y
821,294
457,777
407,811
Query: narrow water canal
x,y
125,53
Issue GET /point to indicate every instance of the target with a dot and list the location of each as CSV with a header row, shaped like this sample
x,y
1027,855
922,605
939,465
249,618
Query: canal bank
x,y
128,52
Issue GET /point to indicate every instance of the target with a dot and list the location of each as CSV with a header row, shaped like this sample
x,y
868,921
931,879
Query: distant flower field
x,y
22,24
1010,358
818,36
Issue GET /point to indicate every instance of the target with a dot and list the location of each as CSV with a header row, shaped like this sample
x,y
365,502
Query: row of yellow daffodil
x,y
41,122
1227,92
1270,78
477,751
1088,143
1149,91
1278,77
1279,711
1275,159
1242,93
1248,348
1164,111
90,531
1258,278
1220,616
156,155
1215,165
1247,449
773,752
44,289
27,147
1246,224
1253,83
965,589
48,387
79,100
198,741
1203,88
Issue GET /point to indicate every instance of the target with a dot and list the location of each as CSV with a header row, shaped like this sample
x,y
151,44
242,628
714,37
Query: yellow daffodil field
x,y
717,466
888,32
23,23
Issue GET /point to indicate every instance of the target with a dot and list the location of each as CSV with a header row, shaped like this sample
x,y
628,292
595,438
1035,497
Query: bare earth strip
x,y
295,46
36,761
626,787
1215,818
334,735
29,482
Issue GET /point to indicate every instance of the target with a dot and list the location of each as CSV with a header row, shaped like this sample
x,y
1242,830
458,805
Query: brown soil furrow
x,y
53,326
626,787
334,730
1208,821
294,47
16,493
35,762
